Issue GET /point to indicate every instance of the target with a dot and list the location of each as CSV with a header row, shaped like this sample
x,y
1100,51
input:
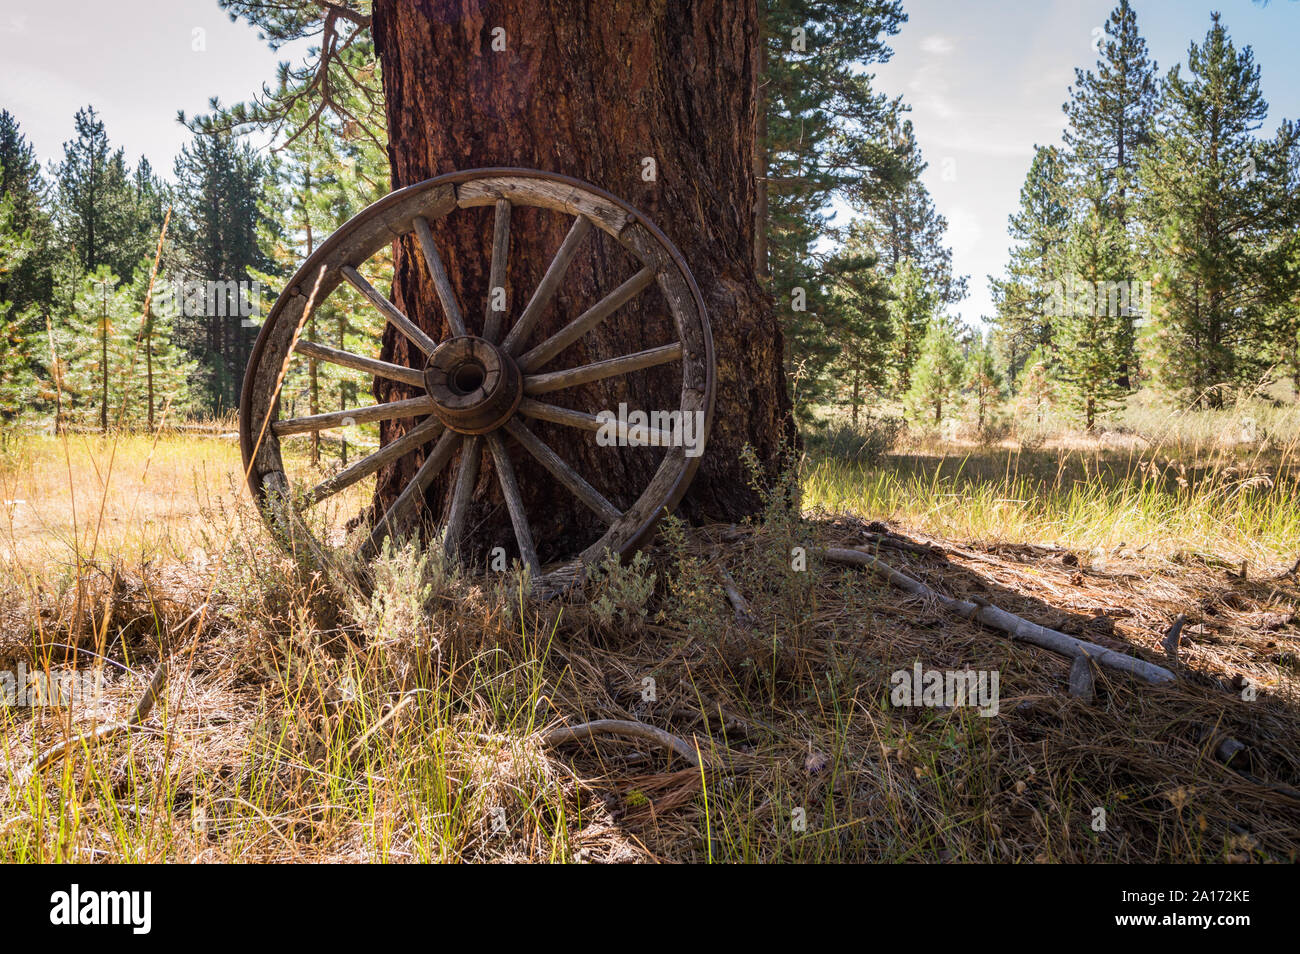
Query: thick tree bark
x,y
592,89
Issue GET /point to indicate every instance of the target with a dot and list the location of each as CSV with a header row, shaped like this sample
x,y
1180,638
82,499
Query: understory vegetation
x,y
304,720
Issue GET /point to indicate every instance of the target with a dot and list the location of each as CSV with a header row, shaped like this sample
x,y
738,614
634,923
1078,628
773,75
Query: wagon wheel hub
x,y
475,387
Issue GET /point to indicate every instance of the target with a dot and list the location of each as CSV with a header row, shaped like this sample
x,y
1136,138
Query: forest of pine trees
x,y
1159,244
1154,246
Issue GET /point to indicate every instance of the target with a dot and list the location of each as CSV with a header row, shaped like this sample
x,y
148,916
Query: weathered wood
x,y
467,475
492,317
548,286
593,316
390,311
545,194
643,436
423,432
395,518
346,359
624,727
438,273
562,472
671,470
356,415
1009,623
609,368
1083,682
514,503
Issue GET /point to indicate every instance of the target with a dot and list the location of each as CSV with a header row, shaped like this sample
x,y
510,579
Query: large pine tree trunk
x,y
591,88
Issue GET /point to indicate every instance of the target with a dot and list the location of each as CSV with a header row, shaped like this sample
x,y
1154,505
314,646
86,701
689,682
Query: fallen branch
x,y
636,730
1009,623
738,602
103,733
1173,637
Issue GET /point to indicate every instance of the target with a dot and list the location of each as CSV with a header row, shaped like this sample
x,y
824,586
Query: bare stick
x,y
439,275
103,733
497,275
738,602
1009,623
1172,638
623,727
548,286
382,369
611,367
1083,682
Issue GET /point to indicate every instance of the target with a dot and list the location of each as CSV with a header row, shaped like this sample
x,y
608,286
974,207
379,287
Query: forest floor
x,y
304,723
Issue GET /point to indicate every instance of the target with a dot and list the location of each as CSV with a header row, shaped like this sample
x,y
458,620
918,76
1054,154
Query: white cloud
x,y
936,45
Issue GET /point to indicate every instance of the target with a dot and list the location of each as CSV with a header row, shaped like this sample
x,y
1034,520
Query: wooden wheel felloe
x,y
485,388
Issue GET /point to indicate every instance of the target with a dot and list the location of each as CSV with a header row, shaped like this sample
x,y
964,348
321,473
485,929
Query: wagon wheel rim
x,y
488,379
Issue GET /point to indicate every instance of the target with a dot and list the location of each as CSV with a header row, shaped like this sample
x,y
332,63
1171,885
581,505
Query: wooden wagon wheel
x,y
484,386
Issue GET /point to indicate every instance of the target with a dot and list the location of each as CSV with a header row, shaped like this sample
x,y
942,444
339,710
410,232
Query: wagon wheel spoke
x,y
390,311
643,435
439,275
346,359
356,415
593,316
467,475
419,435
562,472
514,503
548,286
497,276
412,494
597,370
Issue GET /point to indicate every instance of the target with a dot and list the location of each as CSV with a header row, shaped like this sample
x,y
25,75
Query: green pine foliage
x,y
936,379
1220,222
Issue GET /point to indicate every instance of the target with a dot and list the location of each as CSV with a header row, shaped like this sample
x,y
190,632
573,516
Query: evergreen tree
x,y
1111,114
902,223
862,331
1024,295
983,382
912,309
321,180
221,216
823,129
96,201
1094,322
937,377
26,279
1035,389
1214,204
16,360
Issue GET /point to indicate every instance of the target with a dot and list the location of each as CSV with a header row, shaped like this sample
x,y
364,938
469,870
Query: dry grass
x,y
305,726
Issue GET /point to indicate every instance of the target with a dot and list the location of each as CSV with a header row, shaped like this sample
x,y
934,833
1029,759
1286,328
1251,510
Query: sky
x,y
985,81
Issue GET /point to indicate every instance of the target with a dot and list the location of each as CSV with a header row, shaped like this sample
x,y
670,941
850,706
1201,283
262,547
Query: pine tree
x,y
901,222
220,219
26,281
823,131
911,312
1111,114
862,331
1213,212
95,205
1024,295
1094,325
16,360
983,382
321,180
937,377
1035,389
